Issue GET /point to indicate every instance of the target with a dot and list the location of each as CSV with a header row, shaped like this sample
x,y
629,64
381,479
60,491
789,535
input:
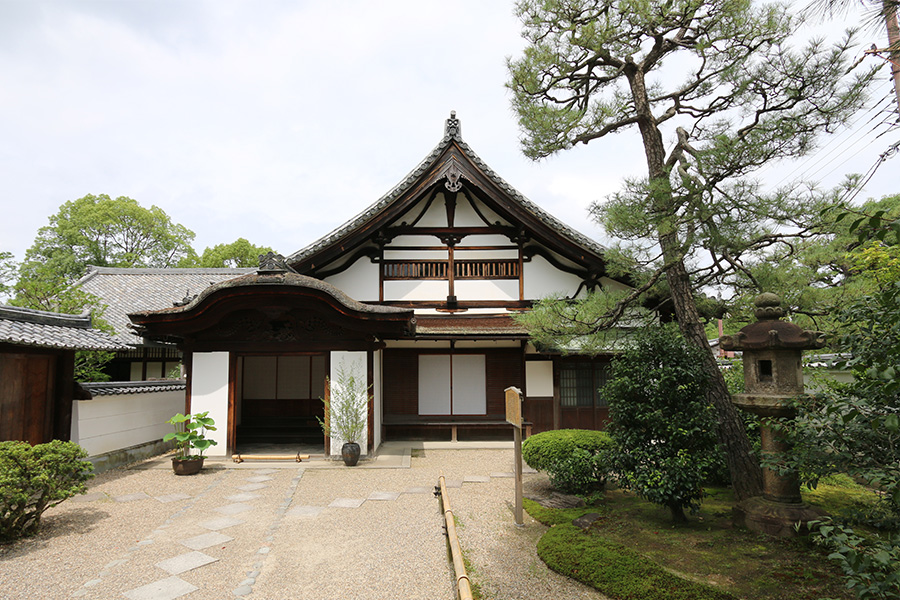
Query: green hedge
x,y
35,478
541,451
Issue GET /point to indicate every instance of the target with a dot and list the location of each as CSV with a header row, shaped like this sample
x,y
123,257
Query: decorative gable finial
x,y
452,128
272,263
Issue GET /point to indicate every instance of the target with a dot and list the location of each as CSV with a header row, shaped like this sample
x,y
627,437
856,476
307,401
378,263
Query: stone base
x,y
775,518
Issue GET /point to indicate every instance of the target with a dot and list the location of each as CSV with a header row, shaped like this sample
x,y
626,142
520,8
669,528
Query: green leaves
x,y
190,432
662,426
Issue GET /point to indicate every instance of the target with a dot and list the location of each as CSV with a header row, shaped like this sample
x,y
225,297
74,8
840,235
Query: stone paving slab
x,y
220,523
419,490
453,483
233,509
131,497
172,498
384,495
305,511
476,479
347,503
92,497
502,475
258,479
252,487
265,471
206,540
164,589
185,562
242,497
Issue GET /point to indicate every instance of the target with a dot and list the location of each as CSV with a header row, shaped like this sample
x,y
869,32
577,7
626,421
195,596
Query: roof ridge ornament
x,y
272,263
453,174
452,129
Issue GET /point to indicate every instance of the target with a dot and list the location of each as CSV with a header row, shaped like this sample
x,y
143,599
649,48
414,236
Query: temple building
x,y
419,294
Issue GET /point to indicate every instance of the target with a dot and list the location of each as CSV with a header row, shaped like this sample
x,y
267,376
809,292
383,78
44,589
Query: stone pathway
x,y
283,533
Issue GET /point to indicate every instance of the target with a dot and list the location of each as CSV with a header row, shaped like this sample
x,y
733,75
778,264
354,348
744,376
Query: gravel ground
x,y
291,544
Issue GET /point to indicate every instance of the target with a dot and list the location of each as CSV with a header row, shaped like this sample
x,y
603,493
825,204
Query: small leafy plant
x,y
190,432
35,478
347,410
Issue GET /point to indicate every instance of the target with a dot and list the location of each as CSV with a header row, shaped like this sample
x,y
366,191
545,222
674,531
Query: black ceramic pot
x,y
350,453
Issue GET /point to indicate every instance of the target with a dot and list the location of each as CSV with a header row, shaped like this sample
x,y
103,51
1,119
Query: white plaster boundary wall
x,y
209,392
108,423
353,362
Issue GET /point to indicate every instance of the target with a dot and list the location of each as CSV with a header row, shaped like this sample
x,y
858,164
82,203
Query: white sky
x,y
277,121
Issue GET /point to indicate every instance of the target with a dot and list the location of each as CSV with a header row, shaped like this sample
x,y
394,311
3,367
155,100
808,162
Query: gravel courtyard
x,y
279,531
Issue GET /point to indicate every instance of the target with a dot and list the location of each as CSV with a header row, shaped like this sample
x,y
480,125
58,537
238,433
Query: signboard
x,y
514,406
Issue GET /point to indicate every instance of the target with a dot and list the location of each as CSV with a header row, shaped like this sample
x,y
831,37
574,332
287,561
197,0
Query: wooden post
x,y
514,417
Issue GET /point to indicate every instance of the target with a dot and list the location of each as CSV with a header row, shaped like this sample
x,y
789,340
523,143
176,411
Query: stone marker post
x,y
773,380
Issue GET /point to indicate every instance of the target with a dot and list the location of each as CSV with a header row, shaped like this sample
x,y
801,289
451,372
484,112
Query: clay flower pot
x,y
187,466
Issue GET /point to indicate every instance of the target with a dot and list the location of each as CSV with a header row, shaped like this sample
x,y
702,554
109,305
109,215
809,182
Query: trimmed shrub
x,y
662,424
580,473
573,458
35,478
542,450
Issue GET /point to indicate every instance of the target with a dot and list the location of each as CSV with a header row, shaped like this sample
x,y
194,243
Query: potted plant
x,y
190,432
346,412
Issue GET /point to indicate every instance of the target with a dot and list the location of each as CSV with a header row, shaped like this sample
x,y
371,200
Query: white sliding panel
x,y
469,385
434,384
209,392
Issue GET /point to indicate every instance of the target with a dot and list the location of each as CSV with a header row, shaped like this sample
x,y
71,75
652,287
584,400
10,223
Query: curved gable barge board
x,y
453,162
274,297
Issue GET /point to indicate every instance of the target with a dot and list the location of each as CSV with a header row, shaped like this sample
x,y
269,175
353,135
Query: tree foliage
x,y
8,268
662,426
818,276
106,232
715,89
239,253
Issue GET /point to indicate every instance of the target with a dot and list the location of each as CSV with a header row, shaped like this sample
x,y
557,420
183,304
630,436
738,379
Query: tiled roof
x,y
38,328
452,134
470,325
284,279
118,388
133,290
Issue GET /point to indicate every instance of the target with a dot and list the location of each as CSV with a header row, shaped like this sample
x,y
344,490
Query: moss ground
x,y
634,541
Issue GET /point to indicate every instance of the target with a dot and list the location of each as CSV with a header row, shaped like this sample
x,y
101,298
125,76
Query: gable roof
x,y
132,290
452,158
42,329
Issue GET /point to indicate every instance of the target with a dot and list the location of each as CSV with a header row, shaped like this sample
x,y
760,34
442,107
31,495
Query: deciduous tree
x,y
715,89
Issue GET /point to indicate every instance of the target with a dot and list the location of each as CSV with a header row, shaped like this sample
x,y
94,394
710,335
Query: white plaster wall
x,y
353,362
466,217
416,290
209,392
489,254
108,423
394,254
486,289
379,399
539,378
606,282
412,240
543,279
436,216
360,281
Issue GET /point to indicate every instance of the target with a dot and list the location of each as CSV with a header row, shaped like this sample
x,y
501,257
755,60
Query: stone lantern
x,y
773,380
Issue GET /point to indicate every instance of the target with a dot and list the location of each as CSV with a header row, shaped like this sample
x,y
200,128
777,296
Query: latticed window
x,y
580,382
462,269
